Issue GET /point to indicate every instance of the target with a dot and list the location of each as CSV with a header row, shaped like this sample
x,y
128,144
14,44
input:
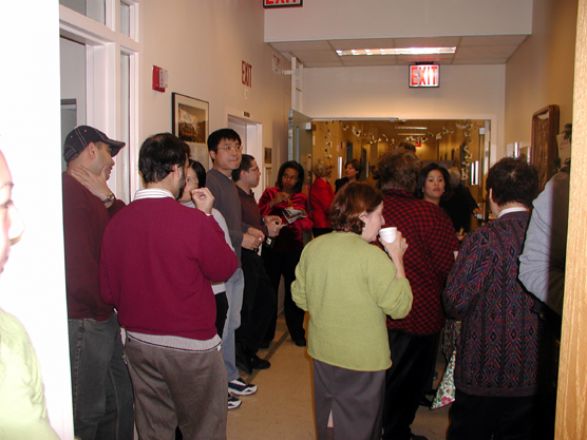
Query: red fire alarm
x,y
159,79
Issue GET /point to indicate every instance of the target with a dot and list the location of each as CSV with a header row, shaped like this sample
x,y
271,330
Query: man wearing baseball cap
x,y
102,392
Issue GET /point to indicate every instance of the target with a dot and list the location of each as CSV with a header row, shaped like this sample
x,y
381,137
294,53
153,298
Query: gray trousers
x,y
355,399
176,387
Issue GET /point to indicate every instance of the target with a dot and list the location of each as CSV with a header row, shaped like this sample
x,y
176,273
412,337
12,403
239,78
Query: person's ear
x,y
212,155
92,149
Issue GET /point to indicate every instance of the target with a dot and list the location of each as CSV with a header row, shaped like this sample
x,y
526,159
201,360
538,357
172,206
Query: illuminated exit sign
x,y
281,3
424,75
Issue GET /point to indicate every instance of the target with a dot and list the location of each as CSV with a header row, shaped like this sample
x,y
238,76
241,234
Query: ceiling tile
x,y
301,45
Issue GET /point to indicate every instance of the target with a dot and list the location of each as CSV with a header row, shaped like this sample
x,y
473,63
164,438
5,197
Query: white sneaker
x,y
238,387
233,402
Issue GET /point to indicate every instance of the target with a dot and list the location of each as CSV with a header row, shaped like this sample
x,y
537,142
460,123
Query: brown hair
x,y
399,171
350,202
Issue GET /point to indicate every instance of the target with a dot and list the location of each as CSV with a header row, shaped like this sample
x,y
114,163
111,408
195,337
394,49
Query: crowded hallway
x,y
256,97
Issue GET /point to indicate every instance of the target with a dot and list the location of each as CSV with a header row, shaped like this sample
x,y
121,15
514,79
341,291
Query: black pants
x,y
412,357
259,303
278,263
221,310
497,418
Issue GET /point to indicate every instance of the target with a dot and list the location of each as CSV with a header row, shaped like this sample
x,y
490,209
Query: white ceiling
x,y
491,49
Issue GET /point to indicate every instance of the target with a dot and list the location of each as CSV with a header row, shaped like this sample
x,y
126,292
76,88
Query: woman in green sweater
x,y
348,286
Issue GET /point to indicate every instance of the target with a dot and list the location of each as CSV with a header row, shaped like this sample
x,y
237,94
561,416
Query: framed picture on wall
x,y
189,118
544,152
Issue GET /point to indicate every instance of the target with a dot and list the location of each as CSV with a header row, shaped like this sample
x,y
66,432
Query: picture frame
x,y
543,149
189,119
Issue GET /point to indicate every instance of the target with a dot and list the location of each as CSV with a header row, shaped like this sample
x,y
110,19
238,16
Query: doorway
x,y
251,134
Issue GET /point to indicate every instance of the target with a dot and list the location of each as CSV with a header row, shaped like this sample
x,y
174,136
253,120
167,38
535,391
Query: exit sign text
x,y
281,3
424,75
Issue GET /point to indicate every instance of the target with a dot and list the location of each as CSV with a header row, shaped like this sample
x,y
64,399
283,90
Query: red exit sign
x,y
281,3
424,75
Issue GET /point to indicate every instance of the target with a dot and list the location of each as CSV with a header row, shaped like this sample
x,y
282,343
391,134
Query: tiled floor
x,y
282,408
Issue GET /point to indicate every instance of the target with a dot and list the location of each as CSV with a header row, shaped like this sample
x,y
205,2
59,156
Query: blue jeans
x,y
102,391
234,293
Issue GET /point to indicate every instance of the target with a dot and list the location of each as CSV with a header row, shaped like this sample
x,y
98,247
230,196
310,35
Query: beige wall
x,y
540,72
202,44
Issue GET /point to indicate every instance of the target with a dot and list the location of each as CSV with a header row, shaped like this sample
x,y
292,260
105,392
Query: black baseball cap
x,y
79,138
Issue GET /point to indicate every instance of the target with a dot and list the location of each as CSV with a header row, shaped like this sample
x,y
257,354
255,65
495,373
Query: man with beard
x,y
102,393
158,260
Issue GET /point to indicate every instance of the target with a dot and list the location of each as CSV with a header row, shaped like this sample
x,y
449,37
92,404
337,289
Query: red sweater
x,y
321,196
290,236
84,219
158,259
428,259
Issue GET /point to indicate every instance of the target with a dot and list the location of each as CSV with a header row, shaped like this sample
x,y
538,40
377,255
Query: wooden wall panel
x,y
571,423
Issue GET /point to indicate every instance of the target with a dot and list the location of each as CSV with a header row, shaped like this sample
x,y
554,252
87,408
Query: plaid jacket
x,y
430,255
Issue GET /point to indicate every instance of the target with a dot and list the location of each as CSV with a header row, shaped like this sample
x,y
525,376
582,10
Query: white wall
x,y
202,45
465,92
32,286
340,19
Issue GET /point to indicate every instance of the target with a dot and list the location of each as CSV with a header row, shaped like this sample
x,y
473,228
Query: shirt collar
x,y
152,193
510,210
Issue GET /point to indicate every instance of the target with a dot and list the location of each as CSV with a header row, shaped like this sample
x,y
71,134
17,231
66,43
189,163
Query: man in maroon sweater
x,y
158,260
102,393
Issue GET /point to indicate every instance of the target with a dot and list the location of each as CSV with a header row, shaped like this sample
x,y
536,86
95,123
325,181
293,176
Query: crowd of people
x,y
190,271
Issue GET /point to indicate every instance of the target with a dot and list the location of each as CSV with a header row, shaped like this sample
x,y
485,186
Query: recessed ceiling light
x,y
398,51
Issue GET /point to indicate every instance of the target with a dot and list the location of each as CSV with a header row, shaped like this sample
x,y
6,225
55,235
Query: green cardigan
x,y
348,286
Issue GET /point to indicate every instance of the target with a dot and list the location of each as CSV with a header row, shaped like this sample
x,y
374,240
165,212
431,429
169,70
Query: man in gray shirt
x,y
224,146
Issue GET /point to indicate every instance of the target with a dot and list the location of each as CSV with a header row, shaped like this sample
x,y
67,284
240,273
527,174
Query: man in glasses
x,y
22,400
102,392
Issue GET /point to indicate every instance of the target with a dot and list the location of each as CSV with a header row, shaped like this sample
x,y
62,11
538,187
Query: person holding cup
x,y
348,287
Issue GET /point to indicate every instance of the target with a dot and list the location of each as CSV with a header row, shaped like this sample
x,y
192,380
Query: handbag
x,y
445,394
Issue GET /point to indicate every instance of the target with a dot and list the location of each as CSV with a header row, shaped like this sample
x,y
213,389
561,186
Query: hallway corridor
x,y
282,408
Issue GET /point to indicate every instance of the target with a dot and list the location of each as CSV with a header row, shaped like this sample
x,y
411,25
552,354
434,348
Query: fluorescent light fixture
x,y
411,134
410,127
398,51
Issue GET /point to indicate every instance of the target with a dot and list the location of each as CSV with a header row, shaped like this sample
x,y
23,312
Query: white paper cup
x,y
388,234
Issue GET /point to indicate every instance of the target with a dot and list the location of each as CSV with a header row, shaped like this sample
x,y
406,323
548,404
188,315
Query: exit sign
x,y
281,3
424,75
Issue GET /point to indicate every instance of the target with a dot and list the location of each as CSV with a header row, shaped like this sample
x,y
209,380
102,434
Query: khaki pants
x,y
176,387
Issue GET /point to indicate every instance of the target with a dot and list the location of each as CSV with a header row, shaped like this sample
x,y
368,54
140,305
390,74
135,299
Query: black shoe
x,y
300,342
259,364
244,363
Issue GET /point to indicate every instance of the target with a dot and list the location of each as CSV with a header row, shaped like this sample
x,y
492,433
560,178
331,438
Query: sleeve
x,y
542,262
82,250
235,231
442,243
468,276
300,201
298,287
321,195
265,200
216,259
392,294
222,223
24,413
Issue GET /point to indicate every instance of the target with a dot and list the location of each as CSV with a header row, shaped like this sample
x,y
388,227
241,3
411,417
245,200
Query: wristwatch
x,y
109,198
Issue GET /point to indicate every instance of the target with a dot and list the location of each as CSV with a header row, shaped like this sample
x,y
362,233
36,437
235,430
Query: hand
x,y
203,199
279,198
274,225
396,251
256,233
251,242
96,184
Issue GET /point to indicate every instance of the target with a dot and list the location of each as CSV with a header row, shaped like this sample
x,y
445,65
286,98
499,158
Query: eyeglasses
x,y
235,148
